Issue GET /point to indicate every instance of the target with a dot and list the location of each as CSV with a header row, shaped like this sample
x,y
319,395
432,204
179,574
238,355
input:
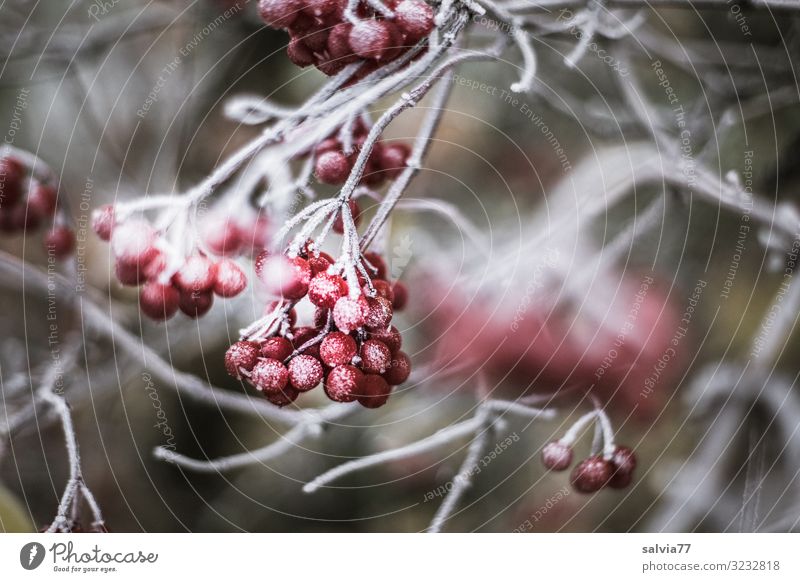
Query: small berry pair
x,y
26,204
139,261
595,472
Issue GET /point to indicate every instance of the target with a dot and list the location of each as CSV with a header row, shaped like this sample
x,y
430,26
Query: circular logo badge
x,y
31,555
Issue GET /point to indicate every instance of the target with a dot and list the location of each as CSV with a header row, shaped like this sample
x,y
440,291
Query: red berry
x,y
279,13
320,8
41,201
393,159
272,306
399,369
382,289
400,296
374,391
103,220
11,173
299,53
129,275
133,243
591,475
316,38
229,279
305,372
556,457
196,275
327,145
355,212
269,376
303,335
325,290
196,304
343,383
337,348
390,337
375,265
339,45
155,266
158,301
350,314
375,357
222,236
320,264
60,241
623,463
276,348
282,397
380,313
288,278
332,167
242,355
373,39
414,18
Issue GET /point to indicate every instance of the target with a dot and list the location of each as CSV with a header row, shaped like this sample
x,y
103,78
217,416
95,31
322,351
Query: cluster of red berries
x,y
332,165
594,473
26,204
140,261
320,35
352,348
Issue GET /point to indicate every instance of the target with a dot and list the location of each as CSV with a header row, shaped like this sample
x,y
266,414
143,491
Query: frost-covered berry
x,y
374,391
103,220
299,53
399,369
302,335
350,314
393,159
242,355
133,243
11,173
154,266
221,235
325,290
382,289
196,304
337,348
196,275
129,275
269,376
375,265
320,264
276,348
279,13
380,313
591,475
390,337
623,463
332,167
414,18
288,278
373,39
400,296
229,279
305,372
282,397
556,456
343,383
59,241
41,201
338,44
375,357
157,301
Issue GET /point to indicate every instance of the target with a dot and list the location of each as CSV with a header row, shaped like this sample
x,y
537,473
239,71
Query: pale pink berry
x,y
288,278
337,348
276,348
350,314
221,235
374,391
343,383
196,275
242,355
196,304
305,372
375,357
325,290
103,220
556,456
158,301
133,243
269,376
229,279
399,369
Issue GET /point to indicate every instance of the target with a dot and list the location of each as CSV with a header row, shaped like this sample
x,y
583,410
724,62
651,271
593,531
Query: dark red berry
x,y
343,383
158,301
339,44
375,357
11,174
382,289
623,463
303,335
375,265
380,313
277,348
414,18
400,296
332,167
299,53
279,13
269,376
556,457
59,241
305,372
337,348
282,397
196,304
390,337
41,201
229,279
242,355
399,369
373,39
374,391
591,475
350,314
393,159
